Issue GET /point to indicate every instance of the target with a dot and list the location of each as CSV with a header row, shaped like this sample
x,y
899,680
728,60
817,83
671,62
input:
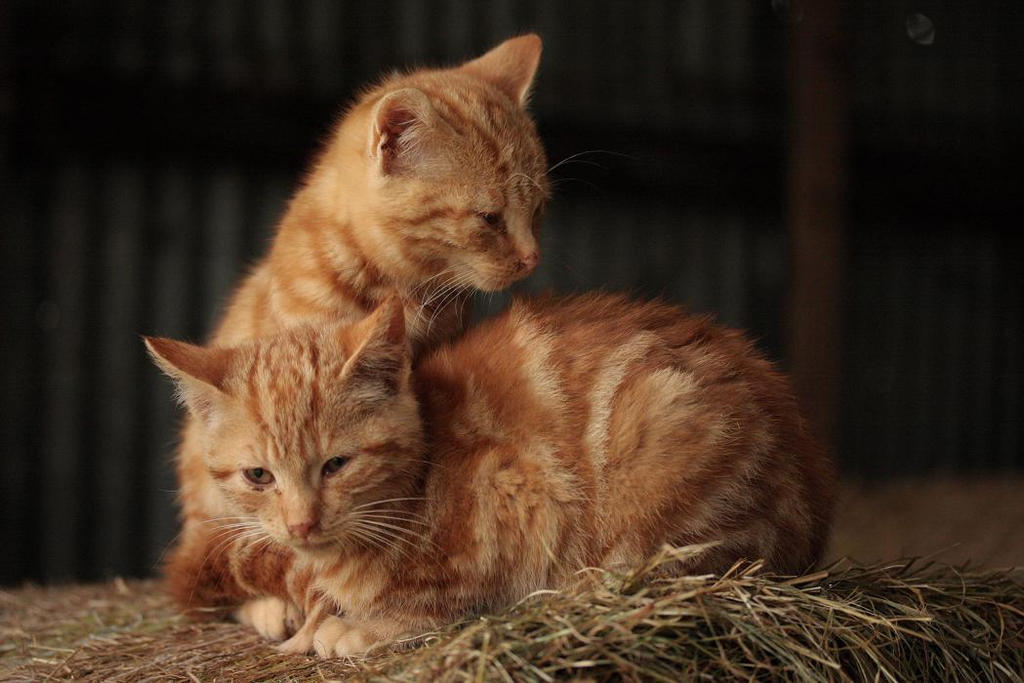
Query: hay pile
x,y
898,621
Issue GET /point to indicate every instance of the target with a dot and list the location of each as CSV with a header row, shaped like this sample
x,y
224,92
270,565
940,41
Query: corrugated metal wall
x,y
934,310
934,353
152,147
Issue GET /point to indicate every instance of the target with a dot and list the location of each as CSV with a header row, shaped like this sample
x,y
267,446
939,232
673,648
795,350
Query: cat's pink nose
x,y
528,262
302,529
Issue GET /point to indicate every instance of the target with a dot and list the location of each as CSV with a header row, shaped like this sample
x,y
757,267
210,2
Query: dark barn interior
x,y
843,183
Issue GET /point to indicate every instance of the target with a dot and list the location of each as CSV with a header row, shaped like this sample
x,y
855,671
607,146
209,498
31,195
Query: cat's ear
x,y
510,66
199,372
381,358
399,123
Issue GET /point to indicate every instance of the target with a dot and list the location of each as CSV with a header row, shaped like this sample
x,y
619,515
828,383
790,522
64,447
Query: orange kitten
x,y
433,181
565,433
432,184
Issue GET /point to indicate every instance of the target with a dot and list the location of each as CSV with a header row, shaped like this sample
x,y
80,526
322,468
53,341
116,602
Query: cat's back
x,y
578,336
577,365
686,417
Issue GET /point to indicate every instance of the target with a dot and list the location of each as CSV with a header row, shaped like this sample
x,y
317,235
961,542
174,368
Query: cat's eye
x,y
334,464
492,220
258,475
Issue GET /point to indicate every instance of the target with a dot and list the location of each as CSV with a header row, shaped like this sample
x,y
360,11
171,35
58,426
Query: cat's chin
x,y
496,283
314,549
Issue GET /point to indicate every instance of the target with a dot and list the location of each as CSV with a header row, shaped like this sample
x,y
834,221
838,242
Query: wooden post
x,y
817,177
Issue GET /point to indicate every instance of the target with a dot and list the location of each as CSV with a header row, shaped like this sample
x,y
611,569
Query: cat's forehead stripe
x,y
285,396
489,119
483,133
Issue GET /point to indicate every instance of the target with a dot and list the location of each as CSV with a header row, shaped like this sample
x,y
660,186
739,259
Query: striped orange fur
x,y
432,184
573,432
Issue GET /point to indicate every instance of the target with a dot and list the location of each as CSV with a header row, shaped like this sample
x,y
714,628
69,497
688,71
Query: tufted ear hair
x,y
399,125
380,362
510,66
200,372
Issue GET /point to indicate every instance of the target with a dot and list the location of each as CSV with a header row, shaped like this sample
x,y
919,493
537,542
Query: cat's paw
x,y
273,618
339,637
302,642
299,644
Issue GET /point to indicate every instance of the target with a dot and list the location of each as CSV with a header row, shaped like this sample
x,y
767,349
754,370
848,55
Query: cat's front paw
x,y
299,644
338,637
302,642
273,618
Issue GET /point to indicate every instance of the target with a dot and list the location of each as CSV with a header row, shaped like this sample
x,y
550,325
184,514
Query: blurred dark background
x,y
841,179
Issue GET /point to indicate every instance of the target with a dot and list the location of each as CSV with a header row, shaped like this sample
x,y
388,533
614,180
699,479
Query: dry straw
x,y
900,621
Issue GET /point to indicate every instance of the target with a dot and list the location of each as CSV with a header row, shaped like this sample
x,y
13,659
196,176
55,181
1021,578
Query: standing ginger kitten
x,y
565,433
431,185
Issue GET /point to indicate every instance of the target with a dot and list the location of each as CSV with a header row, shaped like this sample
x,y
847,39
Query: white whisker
x,y
396,532
385,525
453,295
574,157
374,539
396,518
386,500
392,542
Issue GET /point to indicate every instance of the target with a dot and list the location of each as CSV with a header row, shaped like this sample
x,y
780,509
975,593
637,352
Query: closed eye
x,y
493,219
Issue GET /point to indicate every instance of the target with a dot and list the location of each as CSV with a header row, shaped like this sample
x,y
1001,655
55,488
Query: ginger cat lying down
x,y
564,433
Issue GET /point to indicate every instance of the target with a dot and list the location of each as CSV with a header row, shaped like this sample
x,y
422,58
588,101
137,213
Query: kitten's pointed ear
x,y
200,372
511,66
398,124
381,358
386,325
